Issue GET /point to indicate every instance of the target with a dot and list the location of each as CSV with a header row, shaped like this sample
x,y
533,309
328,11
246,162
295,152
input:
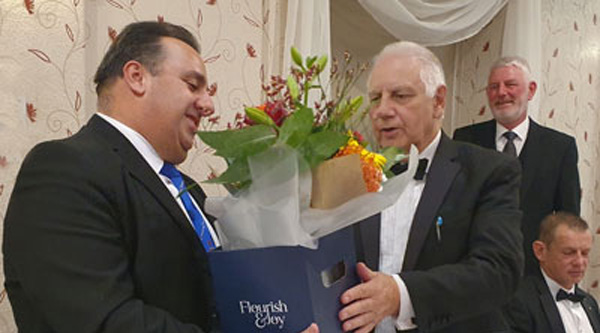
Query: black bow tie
x,y
400,167
573,297
421,168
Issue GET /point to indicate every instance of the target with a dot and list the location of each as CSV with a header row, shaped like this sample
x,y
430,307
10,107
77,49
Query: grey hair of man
x,y
431,74
514,61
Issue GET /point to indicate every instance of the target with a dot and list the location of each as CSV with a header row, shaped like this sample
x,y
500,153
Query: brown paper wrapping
x,y
336,181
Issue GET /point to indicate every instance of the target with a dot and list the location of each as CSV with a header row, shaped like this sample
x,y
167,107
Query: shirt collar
x,y
429,152
138,141
521,130
554,286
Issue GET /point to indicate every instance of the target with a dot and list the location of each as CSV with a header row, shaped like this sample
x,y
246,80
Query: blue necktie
x,y
198,221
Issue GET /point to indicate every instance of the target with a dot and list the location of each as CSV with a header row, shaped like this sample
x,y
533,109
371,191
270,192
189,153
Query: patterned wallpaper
x,y
50,49
569,92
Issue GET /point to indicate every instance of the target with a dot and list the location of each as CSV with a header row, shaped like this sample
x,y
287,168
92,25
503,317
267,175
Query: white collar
x,y
138,141
429,152
554,286
521,130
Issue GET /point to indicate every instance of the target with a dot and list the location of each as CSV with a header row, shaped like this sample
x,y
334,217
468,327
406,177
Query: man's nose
x,y
383,109
204,104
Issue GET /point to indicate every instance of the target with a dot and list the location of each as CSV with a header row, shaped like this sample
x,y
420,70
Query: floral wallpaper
x,y
51,49
569,91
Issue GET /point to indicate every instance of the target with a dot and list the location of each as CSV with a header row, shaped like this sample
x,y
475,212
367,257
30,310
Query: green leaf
x,y
237,172
321,146
297,127
259,116
297,57
240,142
293,87
310,61
321,63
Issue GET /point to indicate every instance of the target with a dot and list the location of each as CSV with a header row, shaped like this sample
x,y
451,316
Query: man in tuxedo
x,y
448,253
97,237
552,302
548,158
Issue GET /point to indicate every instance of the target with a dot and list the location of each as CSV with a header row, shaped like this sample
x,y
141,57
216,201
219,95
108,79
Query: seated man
x,y
554,302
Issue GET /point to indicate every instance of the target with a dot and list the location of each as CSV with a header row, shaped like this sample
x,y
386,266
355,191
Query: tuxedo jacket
x,y
533,309
94,242
459,282
550,178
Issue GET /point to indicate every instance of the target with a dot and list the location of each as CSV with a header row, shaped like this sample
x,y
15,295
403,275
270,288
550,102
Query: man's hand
x,y
313,328
368,303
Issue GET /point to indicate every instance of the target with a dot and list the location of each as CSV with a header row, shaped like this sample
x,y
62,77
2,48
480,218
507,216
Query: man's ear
x,y
439,102
134,75
532,88
539,249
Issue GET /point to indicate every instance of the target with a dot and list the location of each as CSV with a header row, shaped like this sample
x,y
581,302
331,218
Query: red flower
x,y
275,110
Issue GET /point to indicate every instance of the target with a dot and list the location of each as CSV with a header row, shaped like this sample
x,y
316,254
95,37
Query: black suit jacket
x,y
459,283
550,178
94,242
533,309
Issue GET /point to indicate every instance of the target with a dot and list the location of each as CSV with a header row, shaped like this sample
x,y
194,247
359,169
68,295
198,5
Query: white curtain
x,y
307,28
433,22
523,37
443,22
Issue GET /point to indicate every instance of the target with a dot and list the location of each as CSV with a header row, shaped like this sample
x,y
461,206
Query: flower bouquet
x,y
298,172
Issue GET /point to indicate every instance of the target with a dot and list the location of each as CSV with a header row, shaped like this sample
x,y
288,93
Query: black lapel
x,y
487,136
549,306
140,170
529,156
590,310
438,180
366,236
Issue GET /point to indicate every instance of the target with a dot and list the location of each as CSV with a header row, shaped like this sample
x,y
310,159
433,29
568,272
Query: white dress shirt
x,y
521,132
573,315
395,227
156,162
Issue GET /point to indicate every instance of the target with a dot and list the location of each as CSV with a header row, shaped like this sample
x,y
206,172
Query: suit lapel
x,y
438,180
529,156
590,311
485,139
549,307
140,170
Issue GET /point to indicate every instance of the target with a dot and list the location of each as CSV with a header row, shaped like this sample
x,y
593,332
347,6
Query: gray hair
x,y
514,61
431,74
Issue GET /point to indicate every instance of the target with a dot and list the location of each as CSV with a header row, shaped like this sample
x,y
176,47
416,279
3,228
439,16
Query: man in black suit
x,y
552,302
97,237
548,158
449,251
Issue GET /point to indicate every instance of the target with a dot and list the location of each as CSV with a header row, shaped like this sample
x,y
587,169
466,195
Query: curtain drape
x,y
433,22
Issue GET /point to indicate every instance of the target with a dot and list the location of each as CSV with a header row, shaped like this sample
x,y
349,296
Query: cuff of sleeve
x,y
407,312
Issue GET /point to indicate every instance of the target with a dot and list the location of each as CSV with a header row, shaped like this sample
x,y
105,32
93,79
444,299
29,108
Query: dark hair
x,y
139,41
551,222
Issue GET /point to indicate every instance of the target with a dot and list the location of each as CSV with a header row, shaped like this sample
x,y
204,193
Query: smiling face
x,y
508,94
401,113
176,98
566,258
